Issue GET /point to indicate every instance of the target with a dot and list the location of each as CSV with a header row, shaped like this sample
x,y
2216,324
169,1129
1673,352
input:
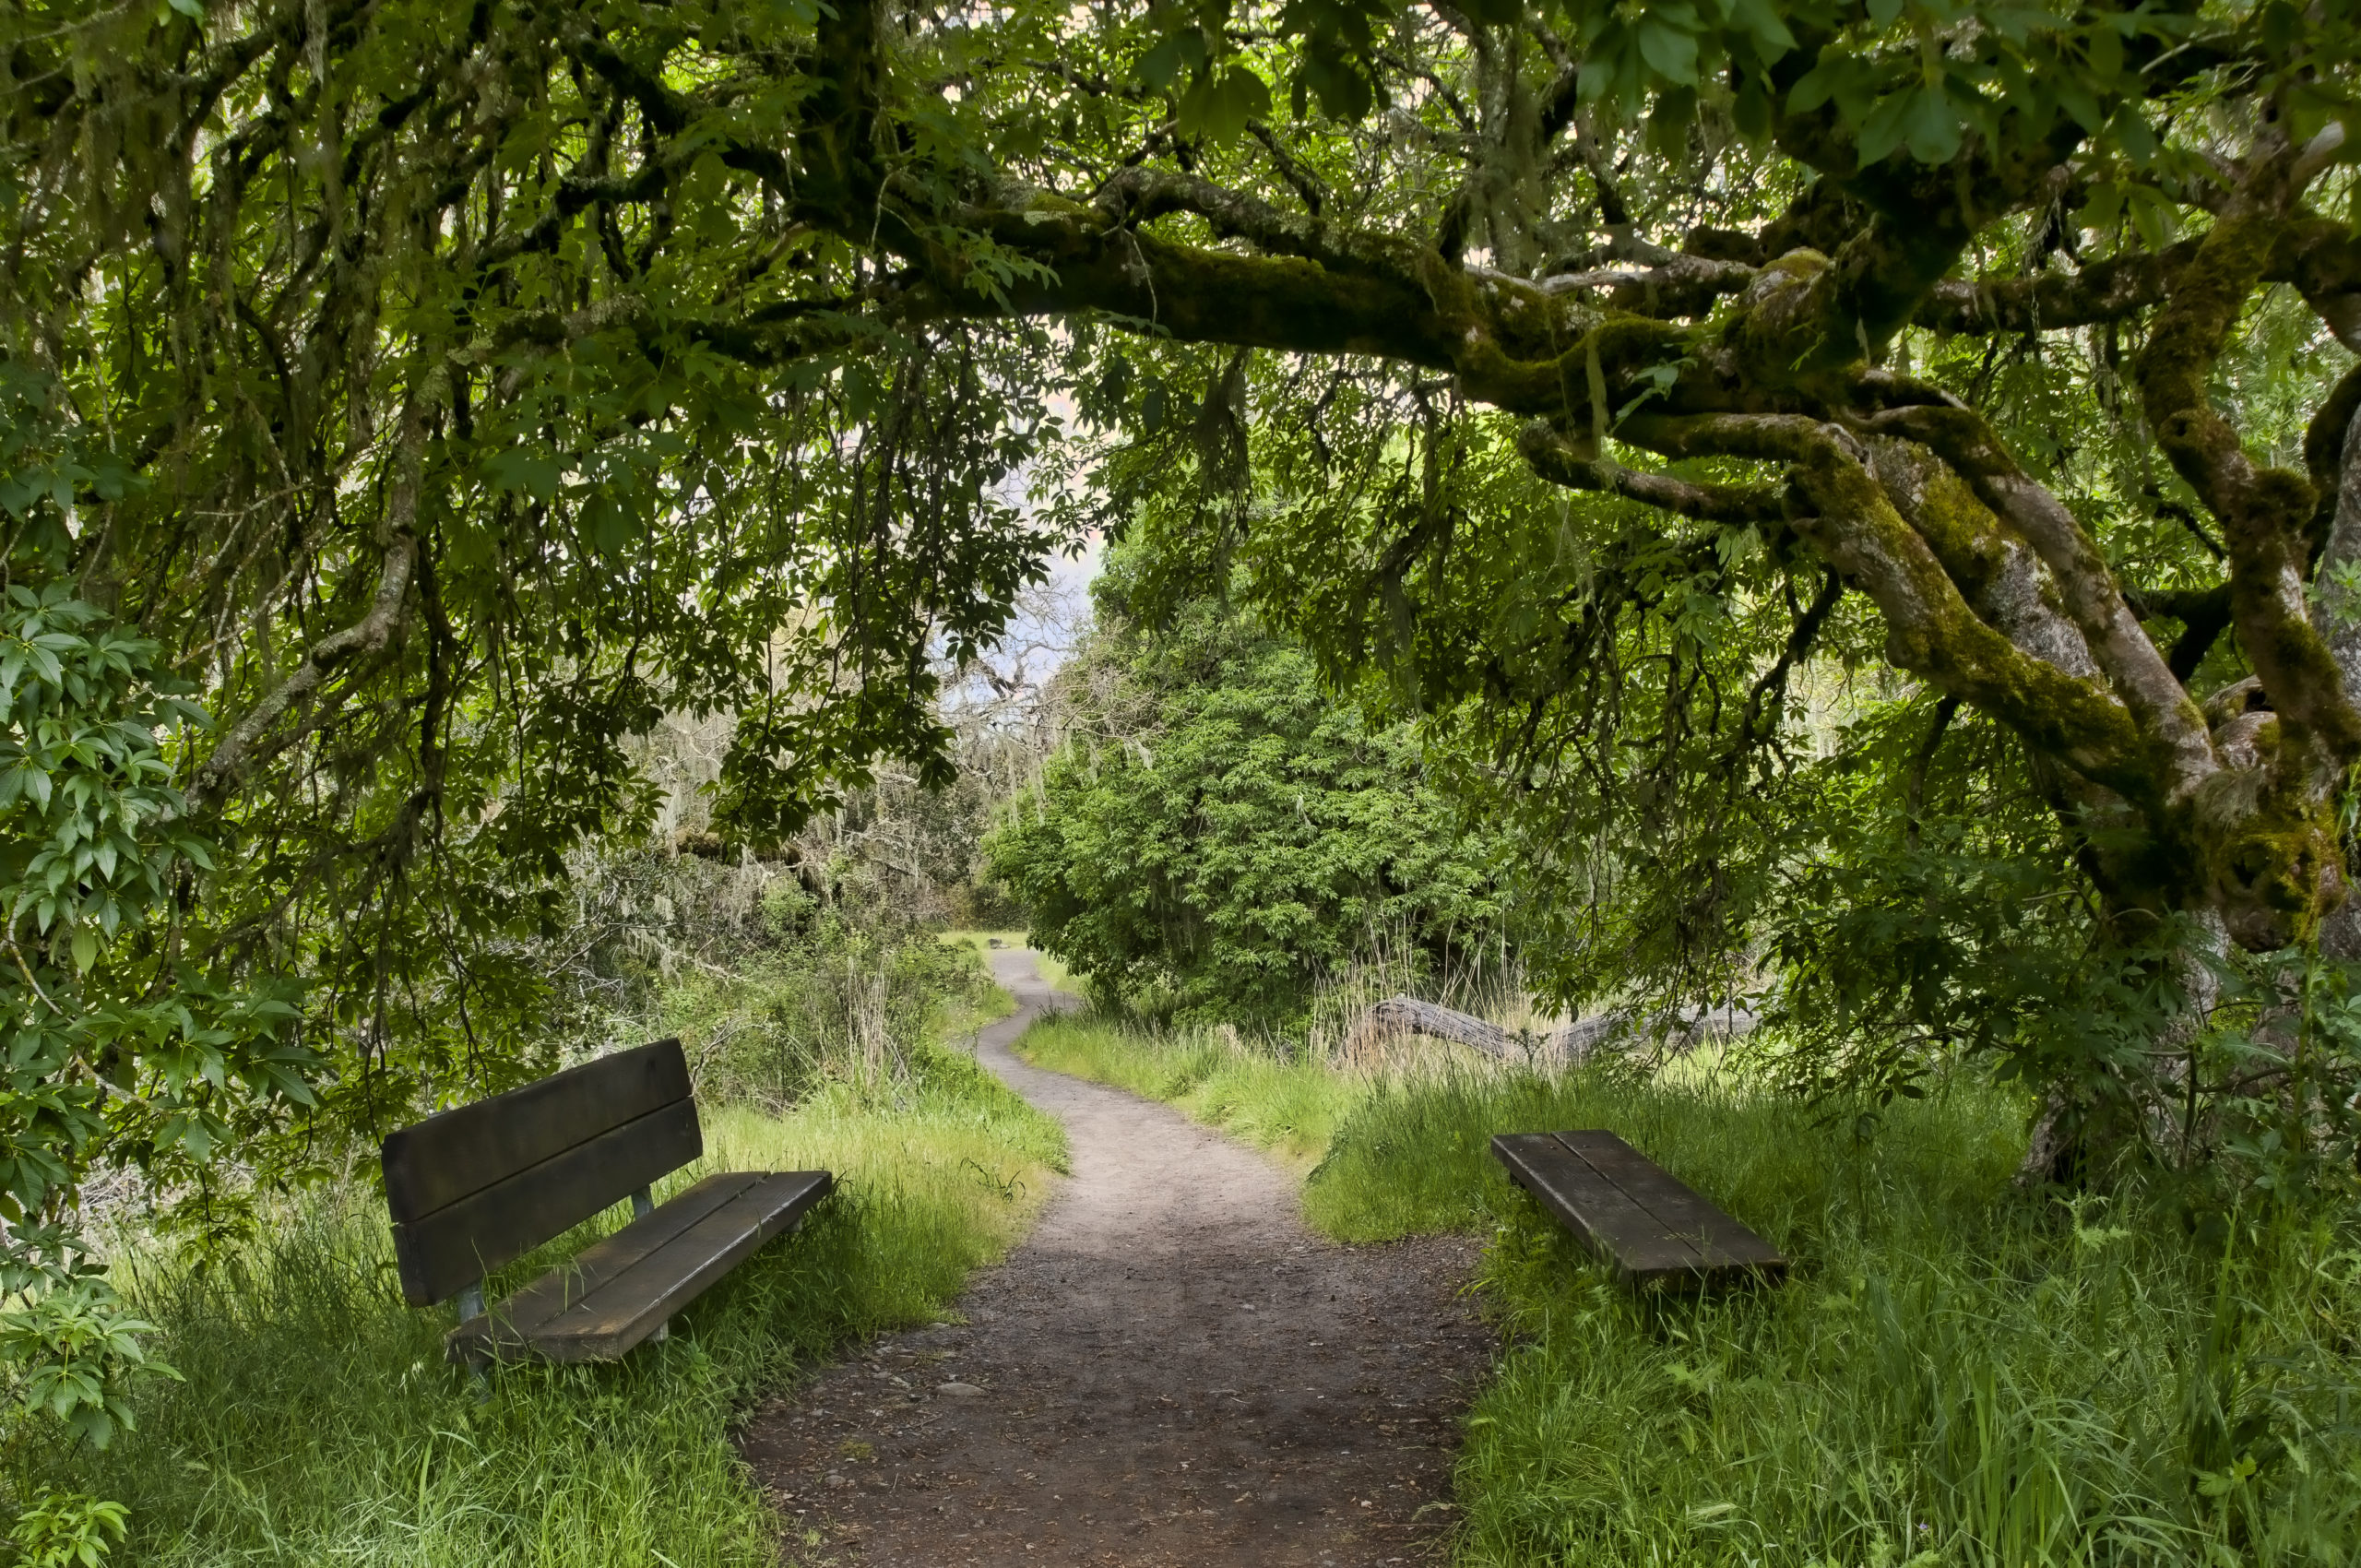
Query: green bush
x,y
837,1005
1221,831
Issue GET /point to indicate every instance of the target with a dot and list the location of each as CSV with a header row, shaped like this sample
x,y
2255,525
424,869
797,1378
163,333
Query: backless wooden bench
x,y
1656,1232
480,1186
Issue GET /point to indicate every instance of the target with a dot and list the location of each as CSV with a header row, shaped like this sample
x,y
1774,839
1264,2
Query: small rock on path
x,y
1170,1369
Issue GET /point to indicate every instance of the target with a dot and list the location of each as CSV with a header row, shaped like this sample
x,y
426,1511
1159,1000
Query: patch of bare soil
x,y
1171,1369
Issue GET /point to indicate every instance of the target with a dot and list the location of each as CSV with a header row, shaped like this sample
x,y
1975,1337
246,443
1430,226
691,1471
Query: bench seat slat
x,y
600,1264
1632,1214
1721,1242
1600,1214
619,1291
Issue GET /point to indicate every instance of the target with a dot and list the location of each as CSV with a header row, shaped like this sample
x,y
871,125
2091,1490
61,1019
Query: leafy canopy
x,y
448,395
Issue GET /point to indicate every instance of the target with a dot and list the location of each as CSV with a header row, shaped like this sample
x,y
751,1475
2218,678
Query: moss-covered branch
x,y
2265,512
2084,586
1931,629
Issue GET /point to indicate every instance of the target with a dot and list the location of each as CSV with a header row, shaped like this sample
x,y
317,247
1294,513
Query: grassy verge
x,y
1957,1374
318,1424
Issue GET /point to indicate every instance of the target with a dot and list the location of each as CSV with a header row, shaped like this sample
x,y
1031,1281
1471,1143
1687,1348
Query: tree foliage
x,y
1215,833
448,394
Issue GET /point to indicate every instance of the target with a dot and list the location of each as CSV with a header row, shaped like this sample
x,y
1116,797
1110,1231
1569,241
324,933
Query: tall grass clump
x,y
844,1006
315,1422
1957,1374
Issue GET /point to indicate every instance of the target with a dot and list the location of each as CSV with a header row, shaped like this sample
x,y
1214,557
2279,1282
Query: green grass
x,y
1956,1374
317,1423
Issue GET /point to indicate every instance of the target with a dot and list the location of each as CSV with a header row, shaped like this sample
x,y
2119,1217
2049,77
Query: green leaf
x,y
2135,137
1815,85
607,526
1160,66
2103,207
529,470
2106,55
1670,52
1750,110
1762,24
2075,97
1932,126
1885,128
2155,217
2282,27
1217,106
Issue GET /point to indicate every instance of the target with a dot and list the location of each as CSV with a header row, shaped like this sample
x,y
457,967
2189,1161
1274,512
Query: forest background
x,y
1848,504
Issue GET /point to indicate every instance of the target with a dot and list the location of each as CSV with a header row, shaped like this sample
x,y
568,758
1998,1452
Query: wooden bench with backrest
x,y
480,1186
1628,1212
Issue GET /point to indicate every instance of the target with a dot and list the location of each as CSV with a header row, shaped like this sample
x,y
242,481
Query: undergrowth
x,y
317,1422
1956,1375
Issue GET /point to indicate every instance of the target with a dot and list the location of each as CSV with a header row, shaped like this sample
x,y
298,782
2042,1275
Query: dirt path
x,y
1170,1369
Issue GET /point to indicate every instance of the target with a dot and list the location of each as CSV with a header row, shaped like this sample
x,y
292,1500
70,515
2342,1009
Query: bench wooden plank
x,y
458,1152
438,1253
604,1260
1721,1242
1653,1228
1601,1215
676,1274
620,1291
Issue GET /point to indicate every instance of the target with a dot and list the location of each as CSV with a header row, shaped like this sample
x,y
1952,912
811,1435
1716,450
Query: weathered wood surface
x,y
1408,1015
461,1241
619,1291
1629,1212
448,1156
1398,1015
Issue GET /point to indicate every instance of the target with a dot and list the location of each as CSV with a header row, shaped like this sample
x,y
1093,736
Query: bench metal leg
x,y
479,1366
643,1203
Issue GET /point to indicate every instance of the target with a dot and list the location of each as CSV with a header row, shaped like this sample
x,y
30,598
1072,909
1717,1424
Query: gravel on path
x,y
1170,1369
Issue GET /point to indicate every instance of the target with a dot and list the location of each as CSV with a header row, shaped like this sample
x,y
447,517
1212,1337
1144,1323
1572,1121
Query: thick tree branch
x,y
2077,571
247,741
1931,630
2319,257
2264,512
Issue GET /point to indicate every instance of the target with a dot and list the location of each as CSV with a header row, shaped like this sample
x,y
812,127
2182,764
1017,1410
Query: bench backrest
x,y
482,1185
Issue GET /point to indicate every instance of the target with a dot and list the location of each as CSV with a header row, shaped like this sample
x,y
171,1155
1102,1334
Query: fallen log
x,y
1398,1015
1408,1015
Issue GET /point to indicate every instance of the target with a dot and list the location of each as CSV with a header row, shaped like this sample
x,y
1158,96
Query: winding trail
x,y
1170,1369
